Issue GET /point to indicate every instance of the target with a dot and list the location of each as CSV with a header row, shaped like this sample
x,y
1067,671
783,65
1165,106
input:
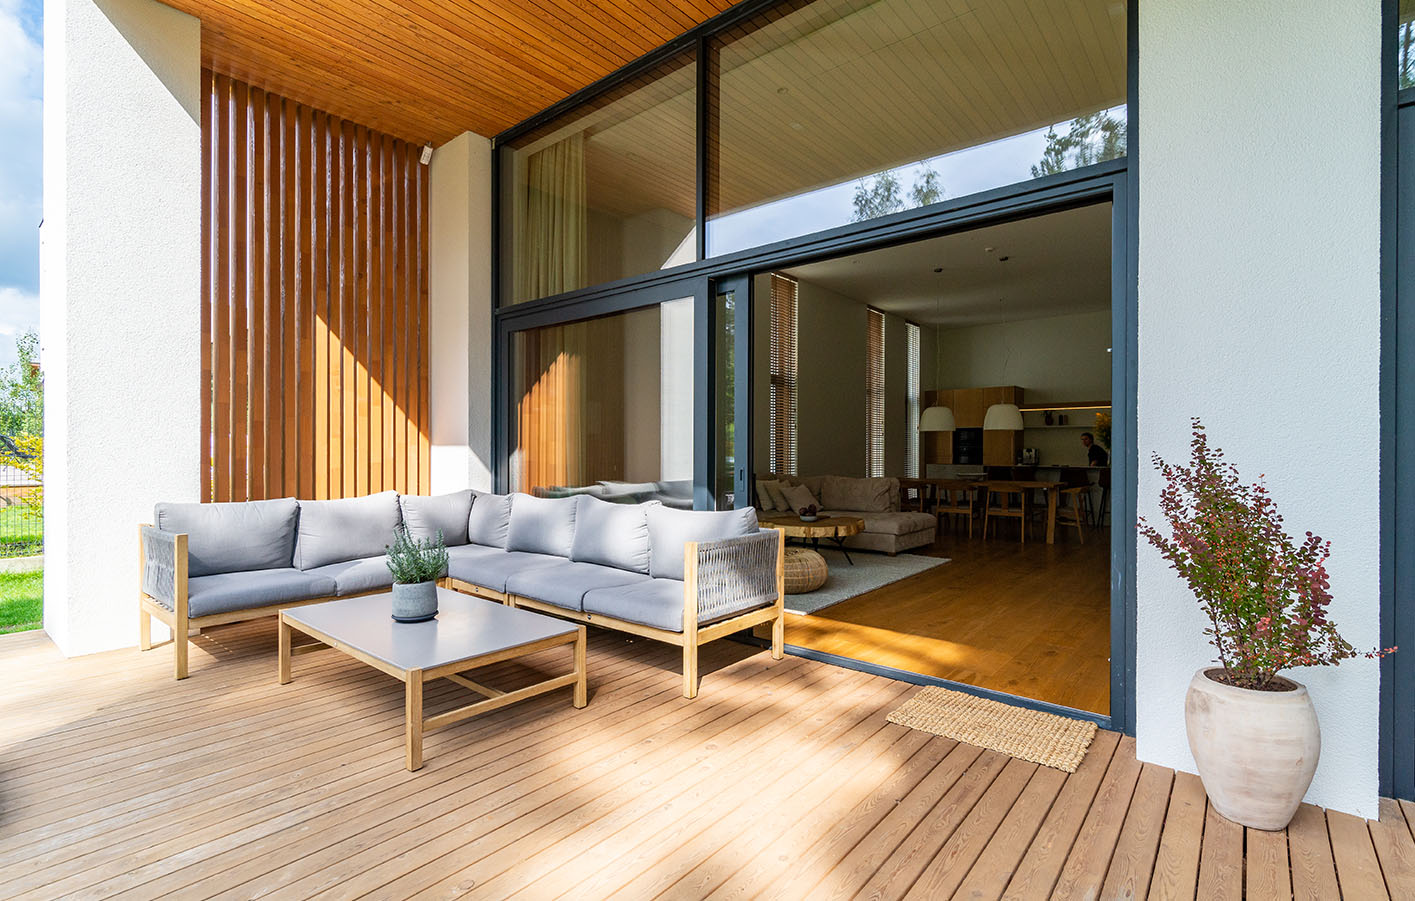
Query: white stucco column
x,y
459,313
120,281
1259,306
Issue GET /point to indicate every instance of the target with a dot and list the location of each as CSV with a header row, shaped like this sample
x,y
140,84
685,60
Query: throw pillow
x,y
765,500
612,534
542,525
799,497
489,520
778,495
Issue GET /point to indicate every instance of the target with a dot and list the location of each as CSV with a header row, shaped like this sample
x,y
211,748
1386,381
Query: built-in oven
x,y
968,446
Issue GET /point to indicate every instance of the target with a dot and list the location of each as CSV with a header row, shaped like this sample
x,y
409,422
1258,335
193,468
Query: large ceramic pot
x,y
415,602
1256,750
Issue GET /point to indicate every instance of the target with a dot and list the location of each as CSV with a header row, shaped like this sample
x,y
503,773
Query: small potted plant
x,y
808,513
1253,732
416,566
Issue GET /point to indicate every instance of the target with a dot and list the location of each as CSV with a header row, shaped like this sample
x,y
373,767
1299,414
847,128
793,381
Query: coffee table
x,y
836,528
468,633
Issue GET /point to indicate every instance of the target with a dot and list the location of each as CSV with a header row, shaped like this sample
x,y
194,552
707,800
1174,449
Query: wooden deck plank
x,y
1267,876
1221,858
783,781
945,873
840,817
1309,854
1046,855
1176,870
1086,865
1358,872
1133,861
1395,849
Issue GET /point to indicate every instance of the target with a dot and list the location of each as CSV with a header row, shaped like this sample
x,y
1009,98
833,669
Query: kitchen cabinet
x,y
969,406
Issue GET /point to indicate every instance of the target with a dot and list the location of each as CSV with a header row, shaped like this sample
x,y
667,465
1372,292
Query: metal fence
x,y
21,481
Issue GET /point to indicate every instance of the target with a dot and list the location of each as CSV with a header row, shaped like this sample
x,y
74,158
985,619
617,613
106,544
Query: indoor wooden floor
x,y
782,780
1030,620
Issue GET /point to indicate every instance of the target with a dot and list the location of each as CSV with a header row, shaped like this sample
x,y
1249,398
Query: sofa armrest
x,y
164,566
735,575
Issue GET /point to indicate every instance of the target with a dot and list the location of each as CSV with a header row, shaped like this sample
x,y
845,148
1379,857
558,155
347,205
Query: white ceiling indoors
x,y
1050,265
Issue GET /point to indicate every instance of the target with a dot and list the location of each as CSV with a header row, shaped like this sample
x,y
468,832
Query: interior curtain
x,y
552,254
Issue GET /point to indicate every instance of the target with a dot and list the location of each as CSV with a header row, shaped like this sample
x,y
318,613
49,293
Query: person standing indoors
x,y
1095,454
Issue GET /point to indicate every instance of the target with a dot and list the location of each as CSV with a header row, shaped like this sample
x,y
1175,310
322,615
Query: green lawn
x,y
21,601
21,531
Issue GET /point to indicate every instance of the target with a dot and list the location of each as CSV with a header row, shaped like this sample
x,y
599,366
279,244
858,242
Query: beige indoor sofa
x,y
874,500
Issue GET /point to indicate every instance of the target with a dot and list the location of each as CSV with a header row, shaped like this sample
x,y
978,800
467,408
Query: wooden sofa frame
x,y
693,636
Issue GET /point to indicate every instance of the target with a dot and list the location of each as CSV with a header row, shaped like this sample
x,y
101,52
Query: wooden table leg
x,y
581,686
284,650
413,711
1051,515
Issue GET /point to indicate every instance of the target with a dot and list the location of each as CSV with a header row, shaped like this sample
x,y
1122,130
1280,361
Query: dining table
x,y
928,489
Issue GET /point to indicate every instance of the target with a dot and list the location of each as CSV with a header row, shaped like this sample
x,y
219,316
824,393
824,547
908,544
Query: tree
x,y
22,391
1407,55
1090,139
882,194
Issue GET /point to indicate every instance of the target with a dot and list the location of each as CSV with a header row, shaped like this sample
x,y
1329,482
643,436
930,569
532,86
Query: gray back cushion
x,y
345,529
446,513
542,525
232,538
612,534
670,529
489,520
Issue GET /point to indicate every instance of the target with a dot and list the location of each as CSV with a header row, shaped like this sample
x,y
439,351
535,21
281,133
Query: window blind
x,y
911,442
874,395
783,374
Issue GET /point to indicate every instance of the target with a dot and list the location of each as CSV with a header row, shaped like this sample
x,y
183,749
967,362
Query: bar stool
x,y
1099,514
1004,493
1074,516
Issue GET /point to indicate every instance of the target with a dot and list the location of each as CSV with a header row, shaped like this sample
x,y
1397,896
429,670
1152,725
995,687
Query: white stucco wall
x,y
459,313
1259,312
120,281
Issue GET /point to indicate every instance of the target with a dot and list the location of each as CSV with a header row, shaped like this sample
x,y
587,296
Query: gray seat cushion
x,y
346,529
357,576
900,522
565,584
446,513
612,535
670,529
228,538
542,525
654,602
489,520
491,567
225,592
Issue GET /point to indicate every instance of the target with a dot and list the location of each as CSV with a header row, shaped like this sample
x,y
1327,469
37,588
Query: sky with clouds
x,y
21,149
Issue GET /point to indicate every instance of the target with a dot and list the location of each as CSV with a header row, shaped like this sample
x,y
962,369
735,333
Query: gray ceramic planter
x,y
1256,750
414,603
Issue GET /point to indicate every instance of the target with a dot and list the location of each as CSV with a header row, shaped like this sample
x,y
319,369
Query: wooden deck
x,y
782,780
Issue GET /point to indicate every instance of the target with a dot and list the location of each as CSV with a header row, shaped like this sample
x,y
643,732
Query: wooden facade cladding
x,y
314,302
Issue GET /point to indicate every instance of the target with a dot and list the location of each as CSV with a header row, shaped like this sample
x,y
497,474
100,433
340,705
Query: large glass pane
x,y
605,407
725,472
836,111
1405,39
605,192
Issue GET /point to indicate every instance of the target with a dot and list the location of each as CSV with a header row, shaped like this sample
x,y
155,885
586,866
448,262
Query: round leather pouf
x,y
805,570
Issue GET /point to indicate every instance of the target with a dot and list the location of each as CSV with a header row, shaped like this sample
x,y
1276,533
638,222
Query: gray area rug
x,y
870,571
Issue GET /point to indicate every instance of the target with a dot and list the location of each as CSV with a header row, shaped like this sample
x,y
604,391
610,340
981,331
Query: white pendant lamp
x,y
936,419
1003,418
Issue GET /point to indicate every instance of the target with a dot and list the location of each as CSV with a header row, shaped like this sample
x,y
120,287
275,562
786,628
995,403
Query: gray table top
x,y
465,627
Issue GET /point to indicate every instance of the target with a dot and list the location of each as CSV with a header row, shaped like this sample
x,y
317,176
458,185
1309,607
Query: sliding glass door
x,y
631,404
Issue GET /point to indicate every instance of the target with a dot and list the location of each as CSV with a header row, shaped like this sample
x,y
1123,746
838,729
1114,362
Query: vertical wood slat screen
x,y
783,374
314,302
874,394
911,463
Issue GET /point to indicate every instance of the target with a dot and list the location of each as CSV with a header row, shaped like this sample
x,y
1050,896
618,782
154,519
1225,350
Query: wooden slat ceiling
x,y
428,70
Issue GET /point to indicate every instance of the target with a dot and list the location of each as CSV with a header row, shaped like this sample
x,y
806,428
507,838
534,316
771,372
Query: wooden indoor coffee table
x,y
467,633
835,528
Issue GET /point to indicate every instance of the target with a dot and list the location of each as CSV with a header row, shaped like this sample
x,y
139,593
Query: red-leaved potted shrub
x,y
1253,732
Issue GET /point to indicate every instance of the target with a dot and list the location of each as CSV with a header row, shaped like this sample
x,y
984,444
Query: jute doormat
x,y
1044,738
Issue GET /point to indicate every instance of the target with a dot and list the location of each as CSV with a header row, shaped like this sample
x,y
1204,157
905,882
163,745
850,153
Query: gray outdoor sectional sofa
x,y
681,576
